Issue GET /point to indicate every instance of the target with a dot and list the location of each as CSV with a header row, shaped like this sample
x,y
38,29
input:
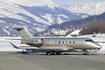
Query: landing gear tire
x,y
57,53
52,53
91,54
49,53
23,52
85,53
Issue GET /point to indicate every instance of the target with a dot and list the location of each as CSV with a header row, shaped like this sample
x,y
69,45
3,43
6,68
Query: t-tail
x,y
24,33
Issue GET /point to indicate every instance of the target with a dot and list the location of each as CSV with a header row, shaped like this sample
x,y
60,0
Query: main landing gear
x,y
85,52
24,52
52,53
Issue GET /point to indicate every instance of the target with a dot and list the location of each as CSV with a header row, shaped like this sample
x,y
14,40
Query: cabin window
x,y
66,42
55,41
73,42
70,42
62,42
59,42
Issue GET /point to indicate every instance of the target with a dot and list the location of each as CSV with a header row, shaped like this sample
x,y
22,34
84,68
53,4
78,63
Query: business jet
x,y
53,45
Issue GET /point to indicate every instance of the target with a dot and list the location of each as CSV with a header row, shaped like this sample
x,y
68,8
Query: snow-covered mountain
x,y
31,3
37,15
89,8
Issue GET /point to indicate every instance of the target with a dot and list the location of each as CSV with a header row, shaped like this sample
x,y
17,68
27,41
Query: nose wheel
x,y
91,53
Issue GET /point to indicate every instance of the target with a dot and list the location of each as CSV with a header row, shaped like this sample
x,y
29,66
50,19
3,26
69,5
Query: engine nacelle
x,y
37,42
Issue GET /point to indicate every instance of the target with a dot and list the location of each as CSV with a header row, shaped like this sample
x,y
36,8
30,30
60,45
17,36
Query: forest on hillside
x,y
78,24
94,28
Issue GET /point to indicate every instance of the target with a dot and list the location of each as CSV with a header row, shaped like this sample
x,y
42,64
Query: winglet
x,y
74,33
14,45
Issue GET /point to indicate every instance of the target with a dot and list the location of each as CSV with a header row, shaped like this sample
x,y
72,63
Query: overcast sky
x,y
68,3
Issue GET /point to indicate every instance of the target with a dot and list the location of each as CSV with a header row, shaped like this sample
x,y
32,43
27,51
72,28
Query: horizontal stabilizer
x,y
14,45
19,27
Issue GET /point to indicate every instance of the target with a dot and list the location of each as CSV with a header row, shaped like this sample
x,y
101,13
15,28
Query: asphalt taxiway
x,y
40,61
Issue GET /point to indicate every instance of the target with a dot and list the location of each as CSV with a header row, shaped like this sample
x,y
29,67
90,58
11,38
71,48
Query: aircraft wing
x,y
57,48
24,46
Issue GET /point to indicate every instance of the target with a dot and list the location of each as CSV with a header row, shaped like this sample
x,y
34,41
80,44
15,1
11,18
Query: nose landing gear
x,y
91,53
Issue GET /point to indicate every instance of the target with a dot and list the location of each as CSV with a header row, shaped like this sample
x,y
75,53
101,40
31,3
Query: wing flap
x,y
57,48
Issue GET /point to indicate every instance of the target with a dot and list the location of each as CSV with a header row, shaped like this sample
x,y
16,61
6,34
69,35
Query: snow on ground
x,y
5,43
102,50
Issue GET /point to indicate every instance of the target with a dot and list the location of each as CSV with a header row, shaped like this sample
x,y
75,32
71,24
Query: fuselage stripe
x,y
65,45
50,44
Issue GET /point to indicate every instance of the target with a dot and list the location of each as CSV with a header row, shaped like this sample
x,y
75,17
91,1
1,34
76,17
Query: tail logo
x,y
28,36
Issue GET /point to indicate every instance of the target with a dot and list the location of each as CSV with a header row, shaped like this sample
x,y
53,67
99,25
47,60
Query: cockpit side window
x,y
89,40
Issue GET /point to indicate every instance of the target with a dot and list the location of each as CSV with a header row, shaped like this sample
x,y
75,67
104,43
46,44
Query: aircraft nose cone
x,y
99,47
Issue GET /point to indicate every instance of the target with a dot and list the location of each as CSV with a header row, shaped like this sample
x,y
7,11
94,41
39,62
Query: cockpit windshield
x,y
89,40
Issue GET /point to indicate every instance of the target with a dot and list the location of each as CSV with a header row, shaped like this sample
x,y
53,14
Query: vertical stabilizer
x,y
24,33
74,33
